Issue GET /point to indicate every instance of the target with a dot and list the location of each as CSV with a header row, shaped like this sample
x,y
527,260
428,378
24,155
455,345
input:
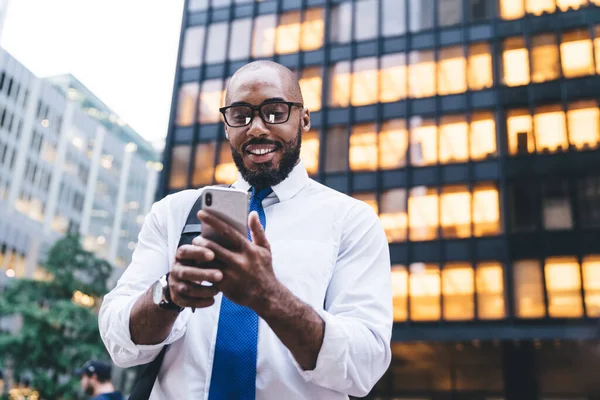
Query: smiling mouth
x,y
261,149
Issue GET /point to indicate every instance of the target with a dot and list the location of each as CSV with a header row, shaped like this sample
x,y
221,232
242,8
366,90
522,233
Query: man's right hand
x,y
194,265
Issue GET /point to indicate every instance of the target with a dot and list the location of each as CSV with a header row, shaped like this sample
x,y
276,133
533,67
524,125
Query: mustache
x,y
257,141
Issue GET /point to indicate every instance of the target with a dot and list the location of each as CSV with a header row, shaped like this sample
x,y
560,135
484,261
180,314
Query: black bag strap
x,y
144,385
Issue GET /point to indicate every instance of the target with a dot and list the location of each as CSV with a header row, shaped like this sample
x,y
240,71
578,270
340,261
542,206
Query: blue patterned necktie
x,y
234,363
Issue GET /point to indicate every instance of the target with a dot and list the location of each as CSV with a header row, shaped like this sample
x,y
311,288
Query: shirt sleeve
x,y
150,261
358,310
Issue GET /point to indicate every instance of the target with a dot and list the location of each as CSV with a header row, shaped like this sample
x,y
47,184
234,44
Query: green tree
x,y
57,334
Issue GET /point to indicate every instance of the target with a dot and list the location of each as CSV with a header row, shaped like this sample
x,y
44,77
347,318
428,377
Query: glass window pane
x,y
339,89
239,45
591,285
220,3
217,43
186,104
421,74
529,292
193,46
423,142
394,17
454,141
393,72
576,54
423,213
366,12
313,29
479,10
483,136
524,207
336,156
424,283
588,194
538,7
490,291
519,127
363,148
340,28
486,210
449,12
452,69
309,152
369,198
556,206
597,44
311,86
364,81
288,33
197,5
203,167
421,15
226,171
456,211
480,67
512,9
583,121
211,98
458,282
393,143
563,282
400,292
515,59
544,58
263,37
393,214
180,161
550,129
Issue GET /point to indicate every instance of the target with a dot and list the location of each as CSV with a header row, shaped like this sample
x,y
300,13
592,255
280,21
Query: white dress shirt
x,y
329,249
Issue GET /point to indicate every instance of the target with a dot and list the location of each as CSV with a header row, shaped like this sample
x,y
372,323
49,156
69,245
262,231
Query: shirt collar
x,y
285,190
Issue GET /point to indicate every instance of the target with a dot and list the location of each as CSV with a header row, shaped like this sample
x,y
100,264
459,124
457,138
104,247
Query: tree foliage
x,y
56,334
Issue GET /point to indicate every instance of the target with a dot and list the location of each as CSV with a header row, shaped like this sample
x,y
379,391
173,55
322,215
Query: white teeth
x,y
260,152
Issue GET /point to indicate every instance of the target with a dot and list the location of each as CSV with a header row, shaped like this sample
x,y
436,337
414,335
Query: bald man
x,y
300,309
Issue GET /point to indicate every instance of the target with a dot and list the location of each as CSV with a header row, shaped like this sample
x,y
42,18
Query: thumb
x,y
258,233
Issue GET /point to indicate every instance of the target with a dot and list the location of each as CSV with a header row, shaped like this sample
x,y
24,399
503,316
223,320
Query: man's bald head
x,y
290,80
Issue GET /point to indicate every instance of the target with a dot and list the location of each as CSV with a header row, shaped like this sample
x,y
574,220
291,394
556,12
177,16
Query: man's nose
x,y
257,126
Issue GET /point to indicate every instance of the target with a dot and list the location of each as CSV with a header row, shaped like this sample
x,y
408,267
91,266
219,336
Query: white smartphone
x,y
229,205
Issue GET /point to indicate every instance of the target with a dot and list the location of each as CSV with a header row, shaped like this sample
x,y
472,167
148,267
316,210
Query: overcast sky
x,y
124,51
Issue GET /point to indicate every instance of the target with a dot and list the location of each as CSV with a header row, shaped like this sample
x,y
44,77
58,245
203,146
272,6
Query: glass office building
x,y
472,127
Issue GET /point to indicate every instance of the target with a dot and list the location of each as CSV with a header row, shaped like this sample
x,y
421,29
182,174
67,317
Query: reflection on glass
x,y
550,128
393,143
288,33
211,97
423,142
421,15
480,66
483,135
454,141
363,148
340,28
239,45
313,28
186,104
452,70
400,292
455,211
519,127
339,89
576,54
424,283
584,131
486,210
515,59
458,287
490,291
366,14
393,72
422,73
309,152
449,12
563,283
529,292
217,42
226,172
393,214
263,37
203,166
193,46
423,214
369,198
180,160
364,81
591,285
393,16
310,84
545,65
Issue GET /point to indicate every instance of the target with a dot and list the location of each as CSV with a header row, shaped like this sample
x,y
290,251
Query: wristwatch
x,y
161,295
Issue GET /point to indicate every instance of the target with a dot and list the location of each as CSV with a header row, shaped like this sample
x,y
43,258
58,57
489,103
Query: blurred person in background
x,y
96,381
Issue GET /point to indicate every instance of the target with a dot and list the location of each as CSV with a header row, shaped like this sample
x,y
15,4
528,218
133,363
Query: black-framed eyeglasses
x,y
273,113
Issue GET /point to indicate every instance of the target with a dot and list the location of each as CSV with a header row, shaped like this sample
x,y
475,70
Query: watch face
x,y
157,293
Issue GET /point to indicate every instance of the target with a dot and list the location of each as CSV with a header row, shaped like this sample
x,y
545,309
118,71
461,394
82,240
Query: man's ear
x,y
226,133
306,120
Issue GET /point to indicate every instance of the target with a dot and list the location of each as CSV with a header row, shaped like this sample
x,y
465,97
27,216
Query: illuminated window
x,y
421,74
193,46
584,130
550,127
529,292
597,43
449,12
226,172
288,33
241,38
480,67
203,167
400,292
369,198
591,285
452,69
424,283
186,104
483,136
455,212
458,288
336,149
340,27
454,141
393,16
423,214
313,28
393,142
545,65
216,46
423,142
515,60
565,5
364,81
421,15
393,85
309,152
576,54
180,160
563,283
393,214
363,148
486,210
366,14
556,206
520,132
490,291
538,7
310,84
512,9
211,97
263,37
339,89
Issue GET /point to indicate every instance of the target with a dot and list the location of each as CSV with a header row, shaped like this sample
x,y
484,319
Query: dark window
x,y
25,97
588,194
556,206
524,207
19,129
3,118
2,77
479,10
10,86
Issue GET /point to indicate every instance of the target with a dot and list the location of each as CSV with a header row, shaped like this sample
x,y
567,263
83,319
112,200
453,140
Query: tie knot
x,y
261,194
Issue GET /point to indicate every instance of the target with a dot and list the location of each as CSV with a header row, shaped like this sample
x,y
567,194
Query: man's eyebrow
x,y
269,100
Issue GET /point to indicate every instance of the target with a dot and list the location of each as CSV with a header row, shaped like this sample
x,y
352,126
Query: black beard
x,y
265,175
